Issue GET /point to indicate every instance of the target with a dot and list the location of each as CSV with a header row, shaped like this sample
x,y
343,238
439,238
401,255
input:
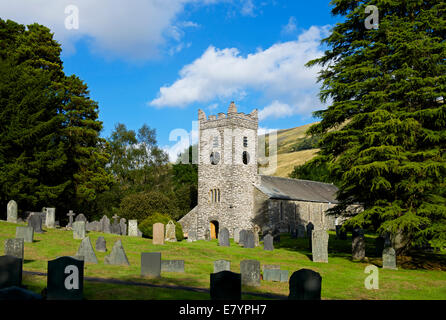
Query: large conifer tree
x,y
387,86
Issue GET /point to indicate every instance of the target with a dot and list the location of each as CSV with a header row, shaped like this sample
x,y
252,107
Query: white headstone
x,y
50,220
133,228
12,211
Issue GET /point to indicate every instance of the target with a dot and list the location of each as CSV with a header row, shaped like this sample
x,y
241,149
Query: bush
x,y
146,227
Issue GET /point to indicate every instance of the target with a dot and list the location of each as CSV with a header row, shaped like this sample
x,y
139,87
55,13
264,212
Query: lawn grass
x,y
422,276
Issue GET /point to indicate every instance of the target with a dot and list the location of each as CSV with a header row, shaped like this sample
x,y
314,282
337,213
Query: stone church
x,y
231,192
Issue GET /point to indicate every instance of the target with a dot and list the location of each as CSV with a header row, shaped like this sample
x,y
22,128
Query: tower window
x,y
215,144
214,195
245,142
245,157
215,158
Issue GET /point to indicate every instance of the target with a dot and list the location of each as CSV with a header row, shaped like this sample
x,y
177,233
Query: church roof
x,y
295,189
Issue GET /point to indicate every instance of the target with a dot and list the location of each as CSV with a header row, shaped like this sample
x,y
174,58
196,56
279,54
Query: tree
x,y
390,84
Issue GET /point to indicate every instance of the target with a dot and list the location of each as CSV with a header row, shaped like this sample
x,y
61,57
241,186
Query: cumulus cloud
x,y
278,73
134,30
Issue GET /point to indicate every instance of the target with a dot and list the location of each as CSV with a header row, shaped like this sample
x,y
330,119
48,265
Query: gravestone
x,y
133,228
256,231
139,233
301,231
275,275
35,221
101,244
15,293
268,244
11,209
70,215
151,264
65,280
249,240
191,236
242,237
93,226
223,237
117,256
14,247
250,271
170,232
225,285
305,284
25,233
115,227
389,258
158,233
320,245
81,217
172,265
207,235
123,226
358,247
79,230
222,265
86,250
10,271
50,220
237,235
105,224
270,266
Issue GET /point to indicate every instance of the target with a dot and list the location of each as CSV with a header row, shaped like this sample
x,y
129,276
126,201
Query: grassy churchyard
x,y
422,276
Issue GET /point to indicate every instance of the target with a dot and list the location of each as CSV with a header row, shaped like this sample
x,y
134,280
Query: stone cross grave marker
x,y
151,264
250,271
26,233
222,265
14,247
79,230
170,232
223,237
305,284
320,246
86,250
10,271
65,280
117,256
50,220
70,215
115,227
11,210
225,285
158,233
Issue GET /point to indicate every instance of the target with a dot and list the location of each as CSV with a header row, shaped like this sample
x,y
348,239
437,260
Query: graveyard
x,y
416,277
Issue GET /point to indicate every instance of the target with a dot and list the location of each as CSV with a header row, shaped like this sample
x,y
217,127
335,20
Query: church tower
x,y
227,171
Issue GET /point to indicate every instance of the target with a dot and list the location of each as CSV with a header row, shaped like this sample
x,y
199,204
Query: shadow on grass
x,y
28,261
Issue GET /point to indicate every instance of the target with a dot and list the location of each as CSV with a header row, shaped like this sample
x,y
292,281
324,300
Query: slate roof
x,y
295,189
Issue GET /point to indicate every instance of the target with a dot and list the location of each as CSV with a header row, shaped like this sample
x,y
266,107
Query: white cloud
x,y
134,30
291,27
278,73
247,8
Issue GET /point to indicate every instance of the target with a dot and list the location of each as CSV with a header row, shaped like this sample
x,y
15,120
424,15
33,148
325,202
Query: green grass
x,y
419,277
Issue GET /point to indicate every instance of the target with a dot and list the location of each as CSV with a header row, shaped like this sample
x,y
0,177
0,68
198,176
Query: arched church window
x,y
245,142
215,158
245,157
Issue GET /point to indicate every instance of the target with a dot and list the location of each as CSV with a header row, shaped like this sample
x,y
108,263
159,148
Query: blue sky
x,y
159,61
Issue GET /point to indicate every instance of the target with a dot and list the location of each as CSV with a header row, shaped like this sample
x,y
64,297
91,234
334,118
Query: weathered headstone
x,y
250,271
191,236
11,209
116,227
172,265
133,228
117,256
105,224
65,280
242,237
151,264
275,275
301,231
25,233
223,237
256,231
79,230
268,244
81,217
86,250
270,266
14,247
320,245
158,233
35,221
170,232
389,258
305,284
123,226
222,265
50,220
249,240
225,285
93,226
10,271
70,215
358,247
237,235
101,244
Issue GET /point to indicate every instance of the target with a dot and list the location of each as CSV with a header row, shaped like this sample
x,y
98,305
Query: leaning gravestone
x,y
223,237
10,271
105,224
249,240
172,265
117,256
305,284
14,247
236,235
301,231
79,230
158,233
268,244
250,271
225,285
35,221
11,209
320,245
358,247
222,265
389,258
151,264
101,245
123,226
50,220
133,228
86,250
25,233
65,280
170,232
